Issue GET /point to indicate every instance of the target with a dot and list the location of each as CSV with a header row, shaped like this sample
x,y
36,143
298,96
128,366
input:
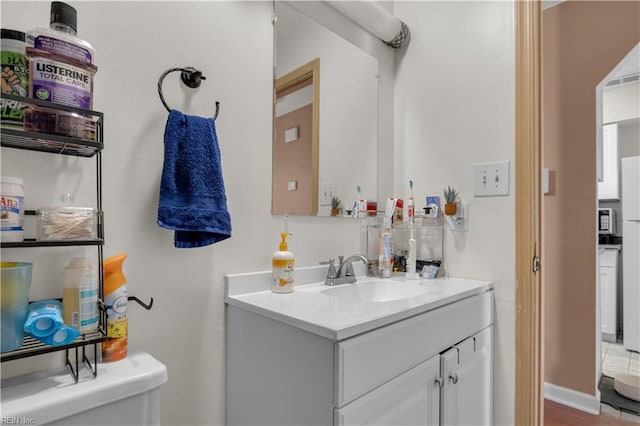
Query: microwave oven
x,y
606,221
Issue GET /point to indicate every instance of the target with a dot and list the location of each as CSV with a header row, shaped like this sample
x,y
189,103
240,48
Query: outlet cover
x,y
491,179
327,190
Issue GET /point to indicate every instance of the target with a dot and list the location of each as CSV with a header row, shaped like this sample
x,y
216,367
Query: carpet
x,y
609,396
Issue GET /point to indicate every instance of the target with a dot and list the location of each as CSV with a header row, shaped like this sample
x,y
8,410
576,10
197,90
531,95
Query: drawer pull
x,y
439,382
454,378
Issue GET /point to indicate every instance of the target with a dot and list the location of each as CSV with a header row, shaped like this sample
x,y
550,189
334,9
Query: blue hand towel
x,y
192,195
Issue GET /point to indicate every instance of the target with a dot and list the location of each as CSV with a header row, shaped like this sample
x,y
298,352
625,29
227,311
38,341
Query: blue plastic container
x,y
44,322
62,336
43,318
15,280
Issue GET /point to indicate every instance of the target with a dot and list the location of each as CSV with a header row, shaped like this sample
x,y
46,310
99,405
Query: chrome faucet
x,y
344,274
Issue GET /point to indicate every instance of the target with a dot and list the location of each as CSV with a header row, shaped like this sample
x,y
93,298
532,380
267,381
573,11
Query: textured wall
x,y
231,42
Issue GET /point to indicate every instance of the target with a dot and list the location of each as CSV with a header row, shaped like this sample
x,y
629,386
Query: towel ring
x,y
191,77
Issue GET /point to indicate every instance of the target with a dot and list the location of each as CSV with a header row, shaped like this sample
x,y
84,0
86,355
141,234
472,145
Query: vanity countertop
x,y
311,308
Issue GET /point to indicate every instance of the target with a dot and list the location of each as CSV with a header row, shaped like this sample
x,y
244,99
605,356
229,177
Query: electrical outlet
x,y
327,190
459,221
491,179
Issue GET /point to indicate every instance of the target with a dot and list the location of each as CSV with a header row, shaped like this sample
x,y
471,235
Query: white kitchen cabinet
x,y
281,374
608,293
608,188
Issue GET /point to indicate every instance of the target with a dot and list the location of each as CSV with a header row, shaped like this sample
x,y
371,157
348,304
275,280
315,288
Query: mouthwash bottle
x,y
61,36
61,65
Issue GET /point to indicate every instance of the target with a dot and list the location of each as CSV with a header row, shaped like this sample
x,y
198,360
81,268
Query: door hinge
x,y
536,263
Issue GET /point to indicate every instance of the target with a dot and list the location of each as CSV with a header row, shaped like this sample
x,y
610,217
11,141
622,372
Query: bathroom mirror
x,y
346,98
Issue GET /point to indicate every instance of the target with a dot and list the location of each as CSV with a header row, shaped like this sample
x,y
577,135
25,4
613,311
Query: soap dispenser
x,y
282,263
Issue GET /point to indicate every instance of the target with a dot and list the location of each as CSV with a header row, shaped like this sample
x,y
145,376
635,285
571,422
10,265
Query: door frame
x,y
528,294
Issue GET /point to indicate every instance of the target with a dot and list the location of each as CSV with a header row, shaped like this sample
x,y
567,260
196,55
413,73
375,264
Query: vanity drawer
x,y
369,360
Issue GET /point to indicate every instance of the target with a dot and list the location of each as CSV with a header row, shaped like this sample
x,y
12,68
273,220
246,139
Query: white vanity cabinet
x,y
398,373
413,398
466,371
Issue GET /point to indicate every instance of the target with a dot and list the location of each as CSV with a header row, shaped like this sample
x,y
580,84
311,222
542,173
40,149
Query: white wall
x,y
231,42
455,107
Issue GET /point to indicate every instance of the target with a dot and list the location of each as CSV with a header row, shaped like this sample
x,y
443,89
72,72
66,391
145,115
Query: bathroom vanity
x,y
375,352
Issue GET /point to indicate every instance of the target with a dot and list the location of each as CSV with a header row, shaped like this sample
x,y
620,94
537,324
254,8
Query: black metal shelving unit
x,y
62,145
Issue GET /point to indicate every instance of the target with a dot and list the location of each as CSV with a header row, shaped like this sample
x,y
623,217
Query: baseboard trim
x,y
574,399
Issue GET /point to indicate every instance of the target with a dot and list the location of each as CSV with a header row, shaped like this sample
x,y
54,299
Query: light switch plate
x,y
491,179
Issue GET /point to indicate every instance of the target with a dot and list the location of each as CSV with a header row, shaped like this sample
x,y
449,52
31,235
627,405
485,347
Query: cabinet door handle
x,y
454,378
439,382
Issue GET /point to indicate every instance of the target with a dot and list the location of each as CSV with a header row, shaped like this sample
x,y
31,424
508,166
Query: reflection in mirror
x,y
347,118
295,142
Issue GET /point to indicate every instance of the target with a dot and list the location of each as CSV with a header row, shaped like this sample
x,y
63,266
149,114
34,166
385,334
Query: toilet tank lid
x,y
51,395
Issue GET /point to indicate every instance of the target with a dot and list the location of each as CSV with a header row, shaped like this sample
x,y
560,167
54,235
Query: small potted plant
x,y
450,206
335,206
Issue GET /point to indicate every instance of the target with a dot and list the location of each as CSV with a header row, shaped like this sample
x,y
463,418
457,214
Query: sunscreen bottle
x,y
80,295
282,263
115,299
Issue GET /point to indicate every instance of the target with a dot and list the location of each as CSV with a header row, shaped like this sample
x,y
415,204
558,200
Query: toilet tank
x,y
126,392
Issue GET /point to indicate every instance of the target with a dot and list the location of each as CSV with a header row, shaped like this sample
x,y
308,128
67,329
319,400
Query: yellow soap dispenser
x,y
282,263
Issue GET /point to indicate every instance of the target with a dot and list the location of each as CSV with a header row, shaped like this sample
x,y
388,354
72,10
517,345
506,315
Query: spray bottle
x,y
115,299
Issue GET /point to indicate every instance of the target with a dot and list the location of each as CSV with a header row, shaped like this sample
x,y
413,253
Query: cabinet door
x,y
608,188
412,398
467,394
608,300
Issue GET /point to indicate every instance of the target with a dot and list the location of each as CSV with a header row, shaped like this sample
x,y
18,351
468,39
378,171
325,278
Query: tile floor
x,y
617,360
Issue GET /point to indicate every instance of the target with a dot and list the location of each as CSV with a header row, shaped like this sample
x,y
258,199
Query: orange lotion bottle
x,y
115,299
282,272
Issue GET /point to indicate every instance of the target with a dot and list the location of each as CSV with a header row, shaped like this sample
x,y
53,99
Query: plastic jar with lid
x,y
11,209
15,76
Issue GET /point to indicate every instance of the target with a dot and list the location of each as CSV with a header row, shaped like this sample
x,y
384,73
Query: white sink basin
x,y
375,291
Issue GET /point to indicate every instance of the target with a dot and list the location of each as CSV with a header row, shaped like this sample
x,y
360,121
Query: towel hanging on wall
x,y
193,201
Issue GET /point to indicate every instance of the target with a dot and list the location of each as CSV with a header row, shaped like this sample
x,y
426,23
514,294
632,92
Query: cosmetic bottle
x,y
282,268
80,295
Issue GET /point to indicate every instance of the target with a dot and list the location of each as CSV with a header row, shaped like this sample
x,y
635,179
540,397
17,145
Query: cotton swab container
x,y
65,223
